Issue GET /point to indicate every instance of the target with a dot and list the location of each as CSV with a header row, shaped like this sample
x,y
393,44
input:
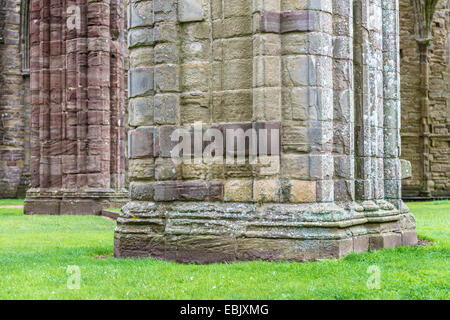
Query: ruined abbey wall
x,y
14,101
429,153
77,106
316,81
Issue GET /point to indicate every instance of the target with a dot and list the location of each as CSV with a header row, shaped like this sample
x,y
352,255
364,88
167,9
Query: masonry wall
x,y
77,112
439,98
14,104
322,75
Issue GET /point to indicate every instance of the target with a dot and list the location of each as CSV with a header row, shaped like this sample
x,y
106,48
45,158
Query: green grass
x,y
114,209
11,202
36,250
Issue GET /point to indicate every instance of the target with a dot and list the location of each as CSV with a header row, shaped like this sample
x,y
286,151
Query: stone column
x,y
14,101
368,102
77,107
343,103
392,166
392,124
276,78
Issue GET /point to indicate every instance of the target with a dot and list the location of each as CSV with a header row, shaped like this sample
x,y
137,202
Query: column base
x,y
221,232
73,203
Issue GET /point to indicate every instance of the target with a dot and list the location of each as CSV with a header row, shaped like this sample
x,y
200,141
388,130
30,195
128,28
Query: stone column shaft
x,y
369,100
13,102
74,72
343,102
391,50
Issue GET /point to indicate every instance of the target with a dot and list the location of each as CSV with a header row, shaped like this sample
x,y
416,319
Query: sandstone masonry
x,y
426,127
77,116
325,73
14,101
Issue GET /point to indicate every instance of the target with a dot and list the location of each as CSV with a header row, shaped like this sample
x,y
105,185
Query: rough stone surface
x,y
323,76
77,107
426,128
14,101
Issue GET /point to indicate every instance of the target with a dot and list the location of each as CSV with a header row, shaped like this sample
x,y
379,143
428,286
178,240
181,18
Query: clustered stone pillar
x,y
77,123
14,99
315,81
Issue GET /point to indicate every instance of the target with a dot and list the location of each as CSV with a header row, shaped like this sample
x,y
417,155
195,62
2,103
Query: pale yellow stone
x,y
267,190
267,165
142,57
238,190
302,191
141,169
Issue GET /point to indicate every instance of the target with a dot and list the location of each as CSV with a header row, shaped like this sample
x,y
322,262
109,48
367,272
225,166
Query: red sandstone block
x,y
105,132
69,164
270,131
360,243
82,180
105,165
93,164
35,5
71,133
69,181
97,118
56,48
94,132
163,144
193,191
106,154
270,22
188,191
216,190
390,240
97,180
230,133
140,142
409,238
297,21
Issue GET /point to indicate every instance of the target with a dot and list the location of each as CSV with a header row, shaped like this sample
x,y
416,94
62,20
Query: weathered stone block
x,y
141,111
295,166
238,190
406,169
141,169
302,191
141,37
389,240
166,78
166,169
166,53
267,190
166,108
140,82
190,10
360,244
141,191
409,238
140,14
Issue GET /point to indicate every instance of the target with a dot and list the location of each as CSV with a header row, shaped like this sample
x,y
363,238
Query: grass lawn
x,y
11,202
35,252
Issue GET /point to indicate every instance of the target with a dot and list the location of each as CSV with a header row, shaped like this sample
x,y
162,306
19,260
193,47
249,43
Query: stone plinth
x,y
314,83
77,107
